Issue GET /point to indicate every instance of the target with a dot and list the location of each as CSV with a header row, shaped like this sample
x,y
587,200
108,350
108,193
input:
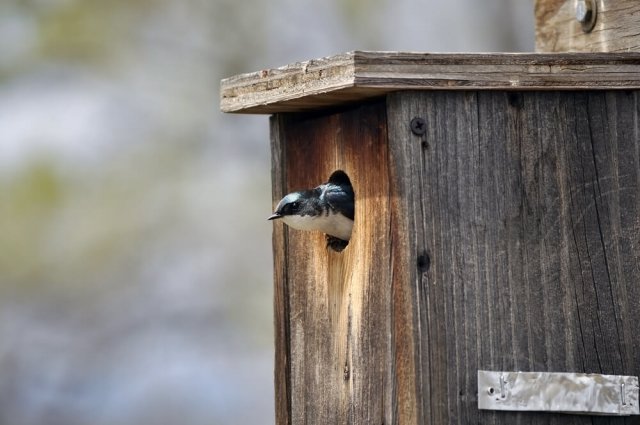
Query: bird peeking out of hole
x,y
328,208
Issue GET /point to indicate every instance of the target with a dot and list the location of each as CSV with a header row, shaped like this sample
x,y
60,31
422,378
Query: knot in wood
x,y
424,262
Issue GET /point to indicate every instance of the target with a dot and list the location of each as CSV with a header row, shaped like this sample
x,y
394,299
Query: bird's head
x,y
328,208
291,205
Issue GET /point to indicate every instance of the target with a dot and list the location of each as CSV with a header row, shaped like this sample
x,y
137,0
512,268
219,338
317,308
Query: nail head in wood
x,y
418,126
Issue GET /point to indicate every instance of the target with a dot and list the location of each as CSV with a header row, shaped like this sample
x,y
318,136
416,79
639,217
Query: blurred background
x,y
135,255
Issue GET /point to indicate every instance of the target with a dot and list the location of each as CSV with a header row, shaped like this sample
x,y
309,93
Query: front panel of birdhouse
x,y
500,233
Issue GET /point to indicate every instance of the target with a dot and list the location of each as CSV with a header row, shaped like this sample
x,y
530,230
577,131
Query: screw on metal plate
x,y
418,126
492,391
586,13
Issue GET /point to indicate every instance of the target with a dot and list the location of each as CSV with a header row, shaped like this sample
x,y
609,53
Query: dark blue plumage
x,y
329,208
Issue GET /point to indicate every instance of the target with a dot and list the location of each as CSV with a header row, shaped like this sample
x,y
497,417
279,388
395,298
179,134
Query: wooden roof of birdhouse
x,y
359,75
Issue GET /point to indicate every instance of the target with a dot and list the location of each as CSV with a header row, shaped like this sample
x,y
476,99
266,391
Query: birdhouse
x,y
493,271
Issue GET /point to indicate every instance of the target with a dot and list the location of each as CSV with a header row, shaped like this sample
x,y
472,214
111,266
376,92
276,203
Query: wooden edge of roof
x,y
359,75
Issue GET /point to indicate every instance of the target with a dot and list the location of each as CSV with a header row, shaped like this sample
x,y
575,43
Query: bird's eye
x,y
295,205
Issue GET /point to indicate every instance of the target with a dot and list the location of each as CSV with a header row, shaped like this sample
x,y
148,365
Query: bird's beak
x,y
274,216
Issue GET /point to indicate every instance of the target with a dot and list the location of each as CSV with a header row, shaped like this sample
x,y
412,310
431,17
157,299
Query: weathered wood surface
x,y
360,75
527,206
617,27
505,238
342,353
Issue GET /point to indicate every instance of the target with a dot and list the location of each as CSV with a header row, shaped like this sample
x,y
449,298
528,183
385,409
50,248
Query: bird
x,y
328,208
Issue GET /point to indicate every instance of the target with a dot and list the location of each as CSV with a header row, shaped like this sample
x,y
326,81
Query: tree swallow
x,y
328,208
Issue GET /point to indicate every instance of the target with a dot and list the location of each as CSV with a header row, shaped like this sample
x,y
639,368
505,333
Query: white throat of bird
x,y
333,224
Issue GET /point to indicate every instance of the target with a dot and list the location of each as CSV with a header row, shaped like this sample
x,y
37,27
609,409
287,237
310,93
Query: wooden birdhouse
x,y
493,273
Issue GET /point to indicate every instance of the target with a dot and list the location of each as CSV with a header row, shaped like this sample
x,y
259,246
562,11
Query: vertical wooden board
x,y
333,311
524,222
282,331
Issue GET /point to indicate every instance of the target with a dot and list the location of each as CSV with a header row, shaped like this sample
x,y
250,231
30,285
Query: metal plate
x,y
558,392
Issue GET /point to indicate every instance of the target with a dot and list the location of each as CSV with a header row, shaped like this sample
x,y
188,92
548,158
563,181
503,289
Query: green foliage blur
x,y
135,263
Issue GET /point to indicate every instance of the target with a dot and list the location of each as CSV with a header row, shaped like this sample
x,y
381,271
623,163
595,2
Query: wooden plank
x,y
524,223
290,82
616,28
344,340
281,292
361,75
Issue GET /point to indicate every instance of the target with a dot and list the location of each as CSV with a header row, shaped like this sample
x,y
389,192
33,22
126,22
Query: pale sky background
x,y
135,255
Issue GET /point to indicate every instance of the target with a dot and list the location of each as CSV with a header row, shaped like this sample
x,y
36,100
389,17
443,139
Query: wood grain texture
x,y
524,223
617,27
359,75
343,348
507,237
282,330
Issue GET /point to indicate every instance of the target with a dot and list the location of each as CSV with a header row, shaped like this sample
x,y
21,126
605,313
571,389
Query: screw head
x,y
418,126
586,11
